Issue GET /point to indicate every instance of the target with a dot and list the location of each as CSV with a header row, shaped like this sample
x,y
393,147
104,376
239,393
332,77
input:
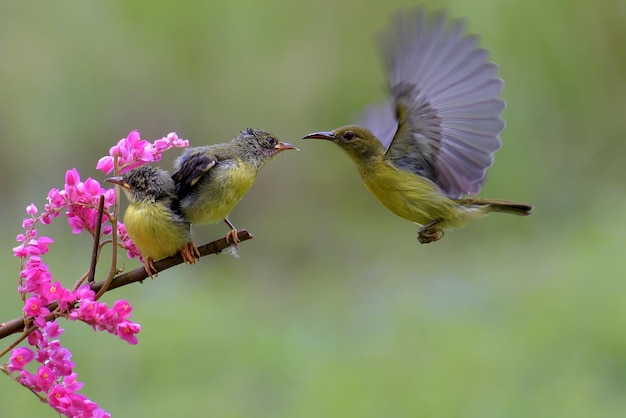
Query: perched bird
x,y
431,145
153,218
211,180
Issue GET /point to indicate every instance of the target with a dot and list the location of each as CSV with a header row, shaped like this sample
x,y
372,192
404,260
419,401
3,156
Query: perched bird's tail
x,y
504,206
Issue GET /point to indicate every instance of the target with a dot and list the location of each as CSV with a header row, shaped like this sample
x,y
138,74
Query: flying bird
x,y
424,155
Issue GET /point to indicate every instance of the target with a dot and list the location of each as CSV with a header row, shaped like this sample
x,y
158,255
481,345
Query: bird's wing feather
x,y
445,101
191,166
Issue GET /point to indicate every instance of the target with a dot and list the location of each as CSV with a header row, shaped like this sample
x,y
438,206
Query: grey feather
x,y
444,119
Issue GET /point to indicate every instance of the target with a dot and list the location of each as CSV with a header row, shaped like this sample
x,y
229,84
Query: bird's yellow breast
x,y
219,191
154,231
410,196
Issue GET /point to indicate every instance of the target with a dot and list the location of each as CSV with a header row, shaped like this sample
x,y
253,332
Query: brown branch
x,y
96,243
138,275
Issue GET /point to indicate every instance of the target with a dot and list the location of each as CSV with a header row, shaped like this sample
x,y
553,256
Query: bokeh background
x,y
334,309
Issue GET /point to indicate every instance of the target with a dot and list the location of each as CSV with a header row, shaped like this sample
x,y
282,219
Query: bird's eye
x,y
271,140
348,136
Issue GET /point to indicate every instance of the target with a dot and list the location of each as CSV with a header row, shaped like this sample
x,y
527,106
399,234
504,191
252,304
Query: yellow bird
x,y
153,218
211,180
421,154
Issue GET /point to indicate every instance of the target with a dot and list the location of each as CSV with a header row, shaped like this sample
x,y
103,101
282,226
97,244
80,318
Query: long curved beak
x,y
284,146
119,181
329,135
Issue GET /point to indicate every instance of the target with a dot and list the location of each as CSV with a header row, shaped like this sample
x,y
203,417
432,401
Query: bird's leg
x,y
429,233
231,236
148,265
189,253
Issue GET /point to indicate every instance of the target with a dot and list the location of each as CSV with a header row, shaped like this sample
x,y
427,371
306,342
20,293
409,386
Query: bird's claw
x,y
148,265
190,253
232,238
428,234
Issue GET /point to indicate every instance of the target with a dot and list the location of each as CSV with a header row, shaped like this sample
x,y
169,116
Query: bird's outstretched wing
x,y
444,120
190,167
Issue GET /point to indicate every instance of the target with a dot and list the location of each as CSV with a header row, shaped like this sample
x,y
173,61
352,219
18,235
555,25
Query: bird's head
x,y
261,146
358,142
145,183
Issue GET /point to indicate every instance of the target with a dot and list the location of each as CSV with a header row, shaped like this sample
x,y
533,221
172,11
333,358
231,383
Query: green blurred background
x,y
334,309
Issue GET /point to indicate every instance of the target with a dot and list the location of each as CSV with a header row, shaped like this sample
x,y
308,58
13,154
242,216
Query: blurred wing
x,y
445,98
190,167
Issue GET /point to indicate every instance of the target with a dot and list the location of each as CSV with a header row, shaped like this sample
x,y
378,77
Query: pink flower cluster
x,y
102,318
54,377
55,380
133,151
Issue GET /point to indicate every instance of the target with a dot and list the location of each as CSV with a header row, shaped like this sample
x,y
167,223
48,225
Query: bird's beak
x,y
284,146
330,135
119,181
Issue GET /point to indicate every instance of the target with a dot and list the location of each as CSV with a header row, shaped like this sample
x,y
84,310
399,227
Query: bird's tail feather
x,y
504,206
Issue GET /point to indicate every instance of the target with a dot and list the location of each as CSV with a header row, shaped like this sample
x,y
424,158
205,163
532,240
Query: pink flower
x,y
133,151
35,337
52,329
28,223
86,311
36,275
71,383
56,293
122,308
56,198
43,355
106,164
72,178
59,359
170,141
82,200
84,292
41,244
64,397
100,413
59,397
20,357
21,251
45,378
128,330
27,379
31,209
35,307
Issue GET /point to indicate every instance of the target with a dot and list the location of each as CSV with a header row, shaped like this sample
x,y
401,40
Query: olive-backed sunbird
x,y
153,218
212,179
425,153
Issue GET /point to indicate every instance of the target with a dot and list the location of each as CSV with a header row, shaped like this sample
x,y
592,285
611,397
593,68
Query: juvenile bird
x,y
432,143
211,180
153,218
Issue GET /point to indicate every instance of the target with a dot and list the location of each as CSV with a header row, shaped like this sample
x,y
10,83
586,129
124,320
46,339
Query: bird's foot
x,y
194,250
190,253
429,233
148,265
231,237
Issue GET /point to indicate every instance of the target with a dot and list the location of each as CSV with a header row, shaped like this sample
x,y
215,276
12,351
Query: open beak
x,y
284,146
330,135
119,181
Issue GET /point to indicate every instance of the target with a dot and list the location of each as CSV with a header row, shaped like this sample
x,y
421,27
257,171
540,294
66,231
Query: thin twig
x,y
113,271
138,275
96,242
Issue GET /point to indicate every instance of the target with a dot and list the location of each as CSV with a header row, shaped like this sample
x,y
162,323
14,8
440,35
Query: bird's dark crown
x,y
147,182
257,145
